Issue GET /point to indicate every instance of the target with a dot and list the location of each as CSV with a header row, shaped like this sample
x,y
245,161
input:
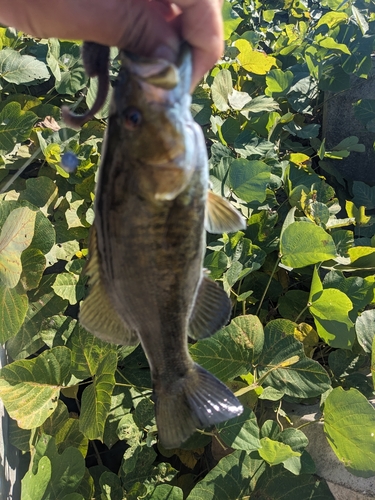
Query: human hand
x,y
145,27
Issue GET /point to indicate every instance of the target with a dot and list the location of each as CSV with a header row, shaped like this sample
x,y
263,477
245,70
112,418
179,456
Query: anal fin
x,y
97,314
211,310
221,217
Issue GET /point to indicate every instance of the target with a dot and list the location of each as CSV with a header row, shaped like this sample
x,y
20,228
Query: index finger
x,y
202,27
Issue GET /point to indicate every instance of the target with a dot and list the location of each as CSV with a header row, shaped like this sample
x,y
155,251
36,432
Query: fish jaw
x,y
165,137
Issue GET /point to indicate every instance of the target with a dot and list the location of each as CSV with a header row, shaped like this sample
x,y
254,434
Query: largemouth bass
x,y
146,282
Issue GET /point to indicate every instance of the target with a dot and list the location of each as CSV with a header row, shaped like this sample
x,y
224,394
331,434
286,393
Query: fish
x,y
147,243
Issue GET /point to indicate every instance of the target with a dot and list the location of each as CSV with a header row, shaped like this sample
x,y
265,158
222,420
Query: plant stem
x,y
303,310
268,284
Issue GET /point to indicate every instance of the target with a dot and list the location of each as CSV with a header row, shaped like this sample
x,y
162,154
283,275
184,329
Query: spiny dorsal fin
x,y
211,310
221,217
97,314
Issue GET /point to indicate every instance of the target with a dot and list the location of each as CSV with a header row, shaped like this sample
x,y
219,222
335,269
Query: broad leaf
x,y
234,476
365,328
330,309
296,248
42,305
15,125
13,308
16,235
231,20
70,287
30,388
232,350
87,352
241,433
285,366
21,69
96,398
349,424
166,492
274,452
253,60
278,484
249,179
221,89
34,486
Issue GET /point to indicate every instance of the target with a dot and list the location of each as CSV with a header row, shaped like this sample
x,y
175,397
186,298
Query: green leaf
x,y
364,195
329,43
40,192
233,477
15,125
349,424
21,69
365,328
68,470
33,266
216,263
110,485
221,88
274,452
42,306
278,82
16,235
276,483
166,492
96,398
284,365
241,433
296,248
13,308
232,350
121,404
137,465
70,287
359,291
73,76
30,388
364,110
249,179
88,352
231,20
330,309
34,485
128,430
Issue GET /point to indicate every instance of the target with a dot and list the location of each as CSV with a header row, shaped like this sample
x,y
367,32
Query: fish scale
x,y
147,243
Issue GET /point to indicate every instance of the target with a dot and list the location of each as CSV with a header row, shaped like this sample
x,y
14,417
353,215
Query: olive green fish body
x,y
148,242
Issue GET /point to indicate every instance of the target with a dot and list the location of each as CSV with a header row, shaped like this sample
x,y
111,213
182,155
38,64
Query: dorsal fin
x,y
97,314
95,59
211,310
221,216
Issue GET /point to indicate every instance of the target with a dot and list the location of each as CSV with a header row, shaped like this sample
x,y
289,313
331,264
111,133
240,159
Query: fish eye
x,y
133,118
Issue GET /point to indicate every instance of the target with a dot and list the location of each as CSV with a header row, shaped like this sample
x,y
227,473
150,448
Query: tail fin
x,y
198,400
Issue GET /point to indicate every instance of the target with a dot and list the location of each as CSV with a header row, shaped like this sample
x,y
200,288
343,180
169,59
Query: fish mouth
x,y
162,74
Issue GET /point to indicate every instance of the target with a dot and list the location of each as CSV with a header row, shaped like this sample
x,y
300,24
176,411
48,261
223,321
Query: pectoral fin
x,y
211,310
97,314
221,216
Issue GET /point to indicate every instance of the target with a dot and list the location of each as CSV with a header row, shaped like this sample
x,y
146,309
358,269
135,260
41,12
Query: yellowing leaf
x,y
358,213
299,158
16,235
253,60
308,336
30,388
